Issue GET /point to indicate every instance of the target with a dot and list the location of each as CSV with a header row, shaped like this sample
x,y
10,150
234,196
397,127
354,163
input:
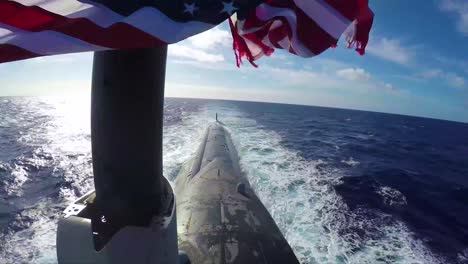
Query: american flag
x,y
32,28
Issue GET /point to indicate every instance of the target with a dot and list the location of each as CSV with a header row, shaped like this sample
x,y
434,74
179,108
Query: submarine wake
x,y
300,195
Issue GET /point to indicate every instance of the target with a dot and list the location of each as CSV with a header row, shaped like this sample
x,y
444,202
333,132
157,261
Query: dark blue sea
x,y
344,186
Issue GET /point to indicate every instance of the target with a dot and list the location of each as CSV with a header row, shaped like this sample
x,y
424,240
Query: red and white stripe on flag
x,y
32,28
303,27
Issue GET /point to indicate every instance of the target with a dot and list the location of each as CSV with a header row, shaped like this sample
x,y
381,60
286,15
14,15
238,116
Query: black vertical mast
x,y
126,131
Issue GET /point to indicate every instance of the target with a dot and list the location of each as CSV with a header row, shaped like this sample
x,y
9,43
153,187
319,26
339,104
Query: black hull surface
x,y
219,217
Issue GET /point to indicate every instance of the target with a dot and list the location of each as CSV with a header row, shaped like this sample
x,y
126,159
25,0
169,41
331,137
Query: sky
x,y
416,64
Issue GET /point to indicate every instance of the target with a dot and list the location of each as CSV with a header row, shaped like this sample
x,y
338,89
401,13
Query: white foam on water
x,y
180,142
61,142
36,243
392,197
18,177
463,256
351,162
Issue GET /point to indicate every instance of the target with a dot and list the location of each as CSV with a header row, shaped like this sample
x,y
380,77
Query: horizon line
x,y
264,102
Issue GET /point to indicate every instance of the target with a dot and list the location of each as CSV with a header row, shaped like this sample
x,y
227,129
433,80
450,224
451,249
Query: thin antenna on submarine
x,y
216,117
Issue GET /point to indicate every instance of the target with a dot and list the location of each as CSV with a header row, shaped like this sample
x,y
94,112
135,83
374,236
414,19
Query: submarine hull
x,y
219,217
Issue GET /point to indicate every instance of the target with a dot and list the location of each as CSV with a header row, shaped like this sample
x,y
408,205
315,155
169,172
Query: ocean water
x,y
343,186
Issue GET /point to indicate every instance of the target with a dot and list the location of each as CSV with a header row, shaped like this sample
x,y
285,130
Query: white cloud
x,y
450,78
460,9
354,74
278,56
313,89
204,47
188,52
391,50
64,58
318,75
211,39
307,78
459,63
455,80
349,79
431,74
388,86
219,66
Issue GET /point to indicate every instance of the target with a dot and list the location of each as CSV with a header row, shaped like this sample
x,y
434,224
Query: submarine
x,y
220,219
134,215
